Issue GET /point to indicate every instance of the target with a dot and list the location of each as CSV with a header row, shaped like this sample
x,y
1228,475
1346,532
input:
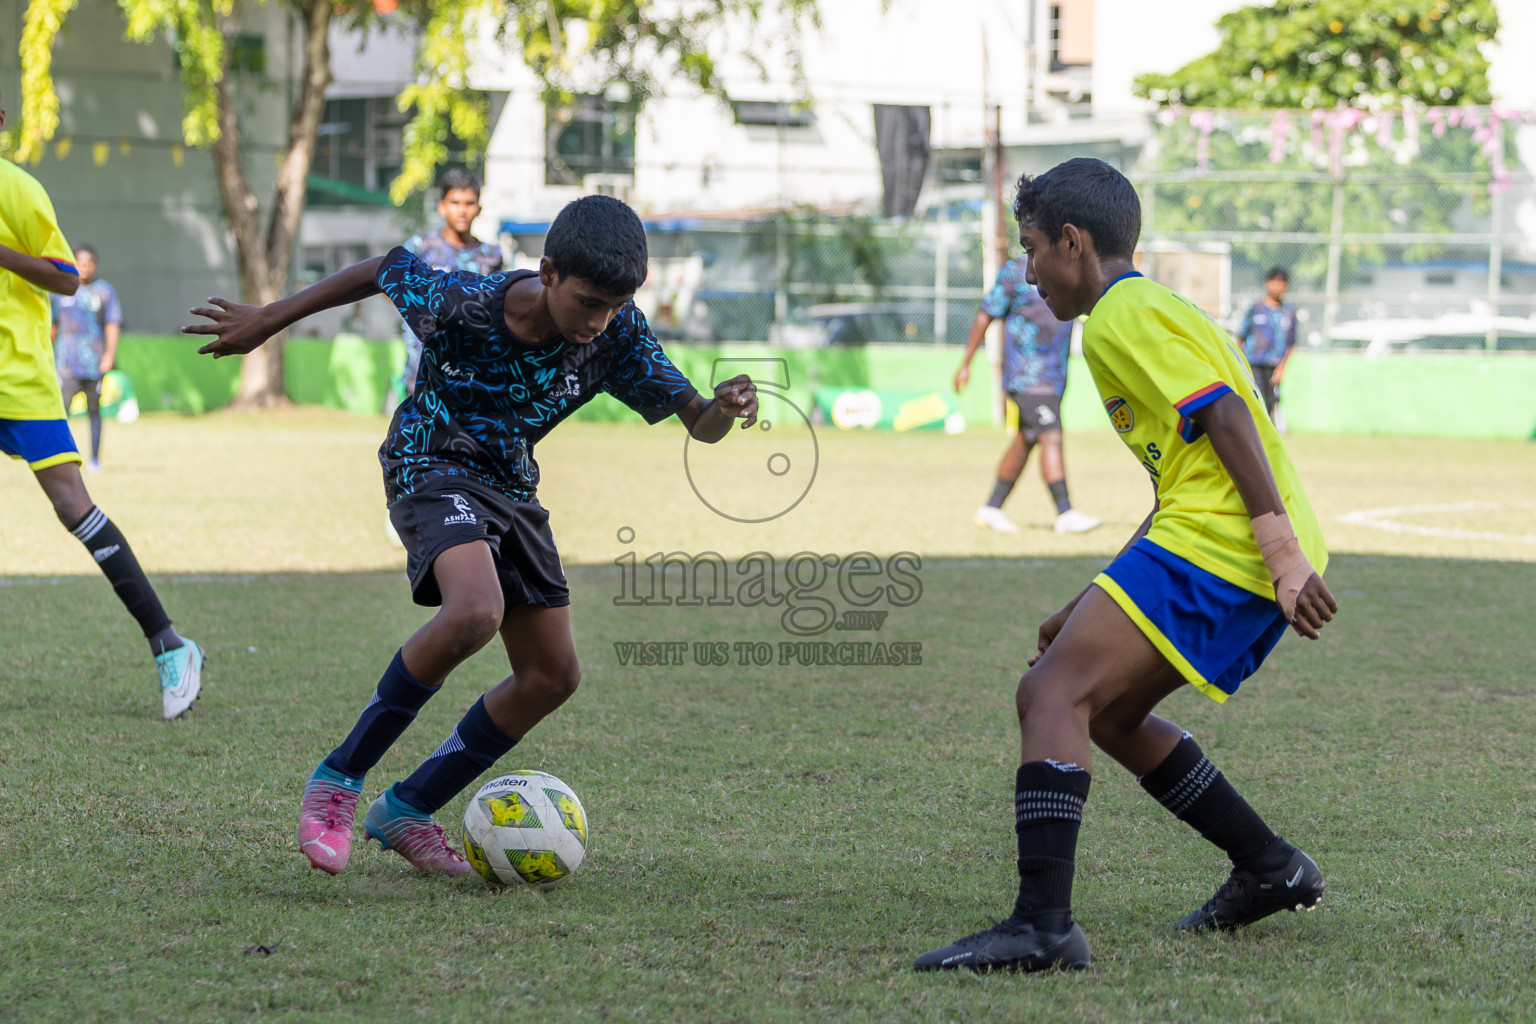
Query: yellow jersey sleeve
x,y
1173,371
29,384
1156,360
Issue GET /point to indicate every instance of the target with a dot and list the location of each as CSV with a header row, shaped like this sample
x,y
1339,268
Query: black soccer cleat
x,y
1006,947
1247,896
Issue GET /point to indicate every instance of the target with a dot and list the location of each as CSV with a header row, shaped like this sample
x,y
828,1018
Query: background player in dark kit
x,y
1035,350
505,359
1268,333
86,326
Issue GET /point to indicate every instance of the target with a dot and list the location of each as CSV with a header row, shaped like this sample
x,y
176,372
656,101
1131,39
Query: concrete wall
x,y
158,225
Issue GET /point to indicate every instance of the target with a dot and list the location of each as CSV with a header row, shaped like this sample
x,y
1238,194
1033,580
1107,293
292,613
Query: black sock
x,y
1000,491
474,745
393,707
1048,811
109,547
1197,793
1059,496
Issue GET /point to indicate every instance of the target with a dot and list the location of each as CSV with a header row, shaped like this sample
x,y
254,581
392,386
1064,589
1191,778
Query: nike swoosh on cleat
x,y
1290,883
316,842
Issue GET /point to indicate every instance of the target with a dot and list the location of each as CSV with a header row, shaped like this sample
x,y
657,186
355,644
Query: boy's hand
x,y
737,398
1314,607
962,377
1304,598
1049,628
239,328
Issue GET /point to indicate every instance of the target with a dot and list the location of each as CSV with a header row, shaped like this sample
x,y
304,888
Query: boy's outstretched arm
x,y
240,328
710,421
1303,596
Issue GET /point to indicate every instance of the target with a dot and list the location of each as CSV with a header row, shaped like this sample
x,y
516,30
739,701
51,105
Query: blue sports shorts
x,y
1214,632
42,443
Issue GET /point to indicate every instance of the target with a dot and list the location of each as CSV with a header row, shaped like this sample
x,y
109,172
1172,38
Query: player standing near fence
x,y
86,326
1228,559
36,261
1035,350
1268,333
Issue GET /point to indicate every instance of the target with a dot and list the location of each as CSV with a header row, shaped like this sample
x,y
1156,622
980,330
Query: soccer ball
x,y
525,828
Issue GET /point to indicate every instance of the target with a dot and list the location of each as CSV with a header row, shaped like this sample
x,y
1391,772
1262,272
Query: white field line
x,y
1385,519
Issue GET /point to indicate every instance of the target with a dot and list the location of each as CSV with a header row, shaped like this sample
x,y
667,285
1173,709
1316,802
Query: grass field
x,y
768,842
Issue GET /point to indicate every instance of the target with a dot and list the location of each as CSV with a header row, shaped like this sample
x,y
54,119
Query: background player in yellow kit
x,y
1227,560
34,261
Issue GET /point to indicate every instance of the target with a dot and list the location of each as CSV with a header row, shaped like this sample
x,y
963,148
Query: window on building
x,y
772,114
358,151
247,53
590,135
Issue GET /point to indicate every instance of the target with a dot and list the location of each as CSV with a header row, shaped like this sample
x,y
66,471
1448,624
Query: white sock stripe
x,y
376,699
1047,805
1191,787
92,525
452,745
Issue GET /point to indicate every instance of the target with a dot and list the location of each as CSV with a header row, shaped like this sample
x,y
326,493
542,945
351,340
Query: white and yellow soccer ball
x,y
525,828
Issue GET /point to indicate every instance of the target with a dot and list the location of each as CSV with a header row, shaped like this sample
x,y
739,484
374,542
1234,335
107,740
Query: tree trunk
x,y
264,256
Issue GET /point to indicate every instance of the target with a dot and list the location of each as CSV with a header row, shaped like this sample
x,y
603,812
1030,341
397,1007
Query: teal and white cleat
x,y
419,840
181,678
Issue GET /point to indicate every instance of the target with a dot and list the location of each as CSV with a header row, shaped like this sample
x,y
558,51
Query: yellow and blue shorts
x,y
41,443
1214,632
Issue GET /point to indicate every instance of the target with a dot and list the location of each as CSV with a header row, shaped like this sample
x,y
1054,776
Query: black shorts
x,y
1264,377
69,386
450,511
1039,413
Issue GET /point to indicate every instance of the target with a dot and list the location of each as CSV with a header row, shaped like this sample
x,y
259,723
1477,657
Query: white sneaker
x,y
1073,521
993,519
181,678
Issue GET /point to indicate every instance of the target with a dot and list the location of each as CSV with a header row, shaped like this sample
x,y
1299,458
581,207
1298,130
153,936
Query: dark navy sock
x,y
110,549
1058,491
1000,491
474,745
1196,792
1048,811
393,707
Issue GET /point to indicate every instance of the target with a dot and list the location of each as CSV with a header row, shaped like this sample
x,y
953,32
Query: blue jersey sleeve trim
x,y
64,265
1189,430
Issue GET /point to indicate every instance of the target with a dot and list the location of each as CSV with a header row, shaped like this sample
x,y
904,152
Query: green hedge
x,y
1324,392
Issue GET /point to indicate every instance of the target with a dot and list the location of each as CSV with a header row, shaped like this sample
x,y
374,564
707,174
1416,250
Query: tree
x,y
565,43
1370,74
1318,53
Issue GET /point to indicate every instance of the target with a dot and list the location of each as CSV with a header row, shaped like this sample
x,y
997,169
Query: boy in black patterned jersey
x,y
505,358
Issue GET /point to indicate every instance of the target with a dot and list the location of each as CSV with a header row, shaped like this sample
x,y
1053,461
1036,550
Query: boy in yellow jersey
x,y
34,261
1228,559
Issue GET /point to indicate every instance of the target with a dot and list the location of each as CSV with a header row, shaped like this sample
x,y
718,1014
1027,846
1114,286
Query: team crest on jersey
x,y
1120,415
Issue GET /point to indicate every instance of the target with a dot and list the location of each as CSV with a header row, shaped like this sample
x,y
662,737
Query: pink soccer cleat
x,y
325,825
419,840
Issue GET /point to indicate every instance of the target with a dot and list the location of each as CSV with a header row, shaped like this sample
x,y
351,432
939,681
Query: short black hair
x,y
599,239
88,247
1278,274
1088,193
457,178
